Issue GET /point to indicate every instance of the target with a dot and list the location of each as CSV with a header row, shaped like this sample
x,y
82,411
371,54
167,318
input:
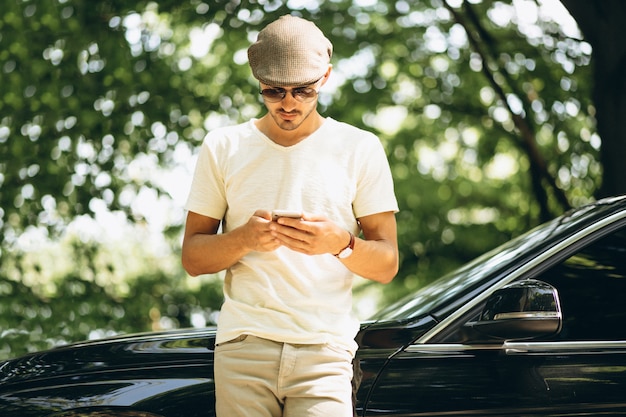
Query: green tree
x,y
486,116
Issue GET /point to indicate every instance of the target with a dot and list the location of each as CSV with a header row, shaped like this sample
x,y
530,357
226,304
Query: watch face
x,y
345,253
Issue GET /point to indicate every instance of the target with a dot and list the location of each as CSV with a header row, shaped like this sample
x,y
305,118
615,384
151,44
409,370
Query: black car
x,y
536,327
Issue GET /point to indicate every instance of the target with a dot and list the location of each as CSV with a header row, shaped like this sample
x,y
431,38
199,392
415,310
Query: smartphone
x,y
286,213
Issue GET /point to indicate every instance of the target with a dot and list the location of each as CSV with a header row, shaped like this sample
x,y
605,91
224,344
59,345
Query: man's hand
x,y
311,235
258,234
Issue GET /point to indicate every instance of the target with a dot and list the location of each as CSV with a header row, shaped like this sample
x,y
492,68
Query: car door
x,y
584,365
579,371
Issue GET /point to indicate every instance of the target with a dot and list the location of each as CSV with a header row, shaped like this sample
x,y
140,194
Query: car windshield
x,y
445,289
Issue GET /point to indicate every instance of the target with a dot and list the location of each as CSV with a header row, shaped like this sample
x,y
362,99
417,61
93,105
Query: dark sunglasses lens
x,y
273,94
304,94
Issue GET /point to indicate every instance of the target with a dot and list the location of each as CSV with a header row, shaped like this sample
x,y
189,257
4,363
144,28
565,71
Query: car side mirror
x,y
522,310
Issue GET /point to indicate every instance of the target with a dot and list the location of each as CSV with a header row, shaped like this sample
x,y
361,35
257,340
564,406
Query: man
x,y
285,338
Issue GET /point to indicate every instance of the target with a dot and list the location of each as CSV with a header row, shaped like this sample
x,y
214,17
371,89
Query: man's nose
x,y
289,100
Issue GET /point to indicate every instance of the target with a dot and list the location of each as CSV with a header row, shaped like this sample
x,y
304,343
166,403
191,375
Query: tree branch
x,y
538,165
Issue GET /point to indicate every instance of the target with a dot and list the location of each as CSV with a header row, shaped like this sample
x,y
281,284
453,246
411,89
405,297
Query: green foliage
x,y
100,100
79,289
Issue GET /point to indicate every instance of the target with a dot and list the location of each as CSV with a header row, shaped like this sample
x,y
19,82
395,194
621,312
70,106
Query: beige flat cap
x,y
290,51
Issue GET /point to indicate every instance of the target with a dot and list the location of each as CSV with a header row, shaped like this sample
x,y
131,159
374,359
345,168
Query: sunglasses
x,y
301,94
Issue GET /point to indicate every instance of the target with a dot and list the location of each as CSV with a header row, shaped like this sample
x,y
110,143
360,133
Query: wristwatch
x,y
347,251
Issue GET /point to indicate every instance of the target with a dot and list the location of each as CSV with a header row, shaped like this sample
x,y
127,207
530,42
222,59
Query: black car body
x,y
536,327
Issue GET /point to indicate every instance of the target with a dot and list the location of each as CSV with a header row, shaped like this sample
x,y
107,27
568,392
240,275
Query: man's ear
x,y
328,71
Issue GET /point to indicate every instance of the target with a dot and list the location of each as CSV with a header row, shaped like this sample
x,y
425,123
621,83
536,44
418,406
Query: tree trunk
x,y
602,24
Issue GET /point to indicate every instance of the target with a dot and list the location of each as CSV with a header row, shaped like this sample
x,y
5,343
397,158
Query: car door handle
x,y
556,348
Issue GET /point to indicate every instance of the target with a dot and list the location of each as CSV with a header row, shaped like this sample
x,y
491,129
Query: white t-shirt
x,y
339,171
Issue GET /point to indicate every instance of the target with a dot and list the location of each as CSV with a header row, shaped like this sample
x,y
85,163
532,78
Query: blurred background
x,y
495,115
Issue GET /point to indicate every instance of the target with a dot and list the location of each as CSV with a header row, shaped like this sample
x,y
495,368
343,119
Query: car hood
x,y
138,350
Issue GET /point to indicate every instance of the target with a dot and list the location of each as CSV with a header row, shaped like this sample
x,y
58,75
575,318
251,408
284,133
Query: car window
x,y
448,288
592,290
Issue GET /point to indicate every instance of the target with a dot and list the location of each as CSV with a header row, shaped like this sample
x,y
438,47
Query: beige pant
x,y
255,377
